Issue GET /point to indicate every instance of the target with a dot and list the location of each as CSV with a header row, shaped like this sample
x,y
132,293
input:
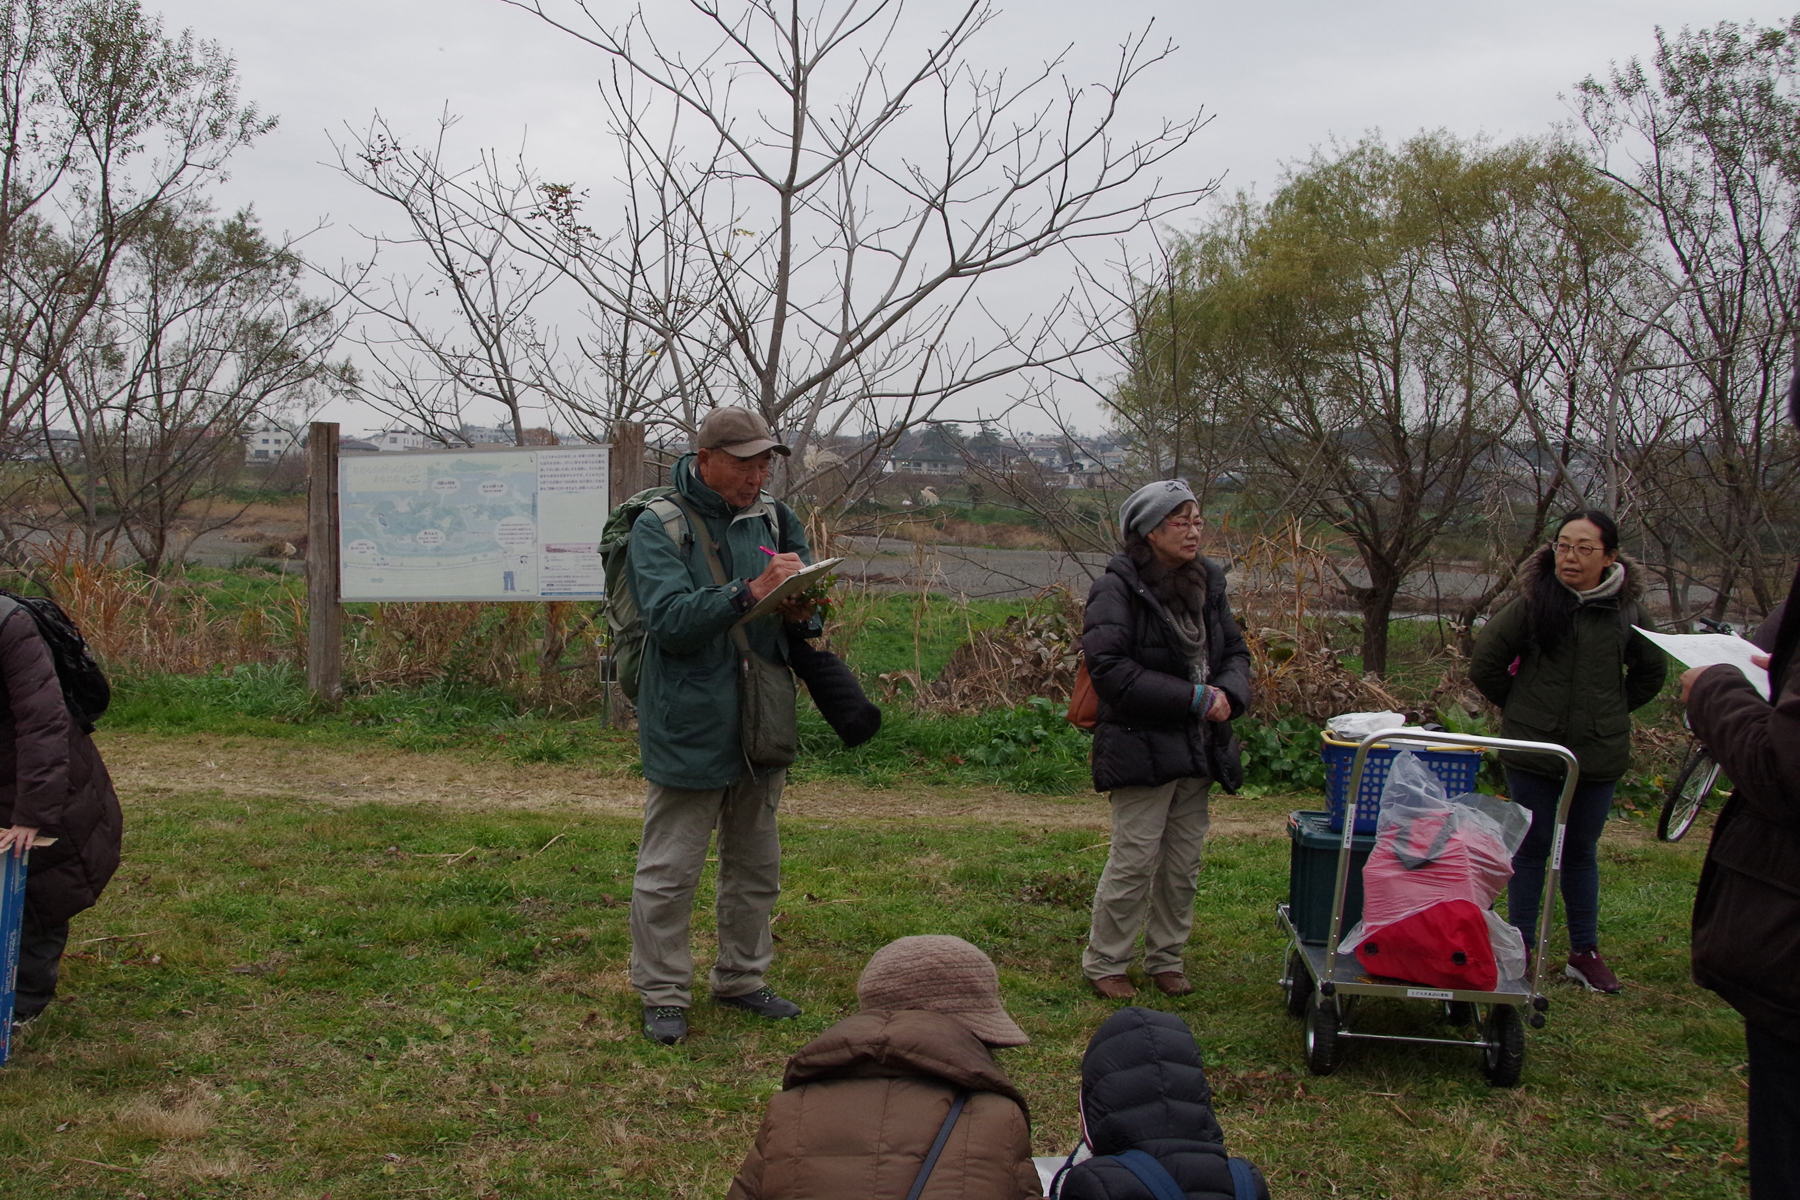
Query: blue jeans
x,y
1588,810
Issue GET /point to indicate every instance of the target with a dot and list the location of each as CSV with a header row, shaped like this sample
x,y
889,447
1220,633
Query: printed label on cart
x,y
1428,994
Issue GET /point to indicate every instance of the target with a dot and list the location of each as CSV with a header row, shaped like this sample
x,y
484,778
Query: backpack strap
x,y
1243,1180
1152,1175
677,521
937,1147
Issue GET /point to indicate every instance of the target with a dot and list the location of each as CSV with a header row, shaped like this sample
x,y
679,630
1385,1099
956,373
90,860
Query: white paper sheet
x,y
1711,650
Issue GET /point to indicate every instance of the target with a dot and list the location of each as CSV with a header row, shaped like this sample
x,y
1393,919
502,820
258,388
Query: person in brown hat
x,y
733,544
908,1086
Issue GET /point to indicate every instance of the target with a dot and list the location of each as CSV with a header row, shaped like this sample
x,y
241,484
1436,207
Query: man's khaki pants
x,y
678,824
1152,872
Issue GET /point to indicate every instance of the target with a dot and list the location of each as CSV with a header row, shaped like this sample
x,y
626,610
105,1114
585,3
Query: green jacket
x,y
1582,694
687,695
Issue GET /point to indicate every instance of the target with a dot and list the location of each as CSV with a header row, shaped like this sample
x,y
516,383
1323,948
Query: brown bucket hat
x,y
738,432
942,974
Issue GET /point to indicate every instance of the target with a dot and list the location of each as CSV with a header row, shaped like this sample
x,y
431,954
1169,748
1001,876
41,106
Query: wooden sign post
x,y
324,615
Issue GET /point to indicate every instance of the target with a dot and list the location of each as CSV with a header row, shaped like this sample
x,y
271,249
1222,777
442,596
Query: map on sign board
x,y
513,524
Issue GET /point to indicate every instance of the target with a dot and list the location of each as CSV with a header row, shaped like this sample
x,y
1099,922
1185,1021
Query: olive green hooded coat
x,y
687,694
1580,695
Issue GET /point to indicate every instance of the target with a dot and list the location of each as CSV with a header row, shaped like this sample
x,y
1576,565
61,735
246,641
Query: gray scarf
x,y
1182,592
1611,583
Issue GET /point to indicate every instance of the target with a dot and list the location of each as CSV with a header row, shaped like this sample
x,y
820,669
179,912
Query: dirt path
x,y
146,766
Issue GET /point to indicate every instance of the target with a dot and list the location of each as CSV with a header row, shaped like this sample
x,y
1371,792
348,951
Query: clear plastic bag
x,y
1431,848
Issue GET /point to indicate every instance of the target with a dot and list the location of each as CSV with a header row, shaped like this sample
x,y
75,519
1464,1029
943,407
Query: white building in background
x,y
269,441
398,439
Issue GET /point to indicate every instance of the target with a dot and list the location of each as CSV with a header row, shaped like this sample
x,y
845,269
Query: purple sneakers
x,y
1587,968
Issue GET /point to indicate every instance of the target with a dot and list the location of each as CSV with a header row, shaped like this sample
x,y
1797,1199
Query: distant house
x,y
486,435
269,441
356,445
37,445
934,450
395,440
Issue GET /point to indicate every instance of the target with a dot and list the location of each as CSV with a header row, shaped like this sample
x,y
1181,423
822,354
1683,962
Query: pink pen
x,y
767,551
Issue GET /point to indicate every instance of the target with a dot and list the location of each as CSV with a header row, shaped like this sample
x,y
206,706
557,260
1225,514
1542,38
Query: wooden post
x,y
324,616
627,468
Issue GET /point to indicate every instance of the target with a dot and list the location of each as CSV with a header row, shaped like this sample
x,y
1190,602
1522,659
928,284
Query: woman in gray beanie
x,y
906,1088
1170,670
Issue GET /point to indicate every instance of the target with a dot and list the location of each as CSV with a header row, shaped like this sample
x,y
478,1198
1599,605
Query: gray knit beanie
x,y
938,973
1145,508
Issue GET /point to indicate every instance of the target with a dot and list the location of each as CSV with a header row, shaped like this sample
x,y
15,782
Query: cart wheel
x,y
1503,1057
1323,1049
1299,984
1687,795
1459,1013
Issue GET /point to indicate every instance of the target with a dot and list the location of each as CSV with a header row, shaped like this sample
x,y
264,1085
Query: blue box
x,y
1456,768
12,920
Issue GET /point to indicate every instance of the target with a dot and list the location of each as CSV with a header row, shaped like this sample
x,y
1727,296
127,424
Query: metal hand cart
x,y
1325,987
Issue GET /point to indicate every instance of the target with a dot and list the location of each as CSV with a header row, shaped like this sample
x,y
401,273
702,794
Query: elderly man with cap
x,y
1170,670
739,545
905,1091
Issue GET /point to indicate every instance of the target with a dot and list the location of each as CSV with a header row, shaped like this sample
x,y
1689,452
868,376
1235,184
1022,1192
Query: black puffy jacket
x,y
1148,733
1144,1087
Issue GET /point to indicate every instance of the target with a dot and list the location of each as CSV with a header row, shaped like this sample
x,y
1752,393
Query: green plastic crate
x,y
1312,874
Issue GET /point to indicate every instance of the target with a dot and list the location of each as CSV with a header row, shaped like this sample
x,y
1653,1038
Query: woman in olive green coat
x,y
1564,664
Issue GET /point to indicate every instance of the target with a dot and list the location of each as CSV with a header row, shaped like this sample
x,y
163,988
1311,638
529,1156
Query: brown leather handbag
x,y
1084,702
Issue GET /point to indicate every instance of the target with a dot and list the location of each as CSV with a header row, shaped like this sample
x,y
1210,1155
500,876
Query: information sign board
x,y
518,523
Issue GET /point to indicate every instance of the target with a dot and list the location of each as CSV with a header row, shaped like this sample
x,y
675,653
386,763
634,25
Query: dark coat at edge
x,y
1746,932
51,777
1148,733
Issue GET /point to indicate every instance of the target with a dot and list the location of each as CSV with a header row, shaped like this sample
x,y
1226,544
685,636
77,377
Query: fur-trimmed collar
x,y
1543,564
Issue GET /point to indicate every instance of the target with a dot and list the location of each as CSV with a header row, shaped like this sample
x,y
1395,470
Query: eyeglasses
x,y
1584,550
1184,526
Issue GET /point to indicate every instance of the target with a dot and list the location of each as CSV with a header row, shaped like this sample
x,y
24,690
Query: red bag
x,y
1436,869
1445,946
1084,702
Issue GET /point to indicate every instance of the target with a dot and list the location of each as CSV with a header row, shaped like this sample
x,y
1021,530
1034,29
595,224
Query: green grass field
x,y
297,999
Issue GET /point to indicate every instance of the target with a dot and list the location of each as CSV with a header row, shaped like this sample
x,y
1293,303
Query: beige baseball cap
x,y
738,432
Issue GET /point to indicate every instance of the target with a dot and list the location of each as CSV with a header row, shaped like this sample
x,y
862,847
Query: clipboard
x,y
792,585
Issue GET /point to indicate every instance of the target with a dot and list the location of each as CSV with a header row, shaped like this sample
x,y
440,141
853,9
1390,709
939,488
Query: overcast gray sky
x,y
1278,78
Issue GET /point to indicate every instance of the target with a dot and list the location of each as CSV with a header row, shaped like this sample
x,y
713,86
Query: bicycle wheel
x,y
1687,795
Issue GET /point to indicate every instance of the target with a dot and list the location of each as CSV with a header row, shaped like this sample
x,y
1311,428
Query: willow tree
x,y
1349,331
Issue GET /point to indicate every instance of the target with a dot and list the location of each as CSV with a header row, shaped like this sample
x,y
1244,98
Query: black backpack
x,y
84,687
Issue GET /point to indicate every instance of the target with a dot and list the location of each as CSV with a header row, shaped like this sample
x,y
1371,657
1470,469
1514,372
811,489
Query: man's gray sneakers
x,y
763,1002
665,1024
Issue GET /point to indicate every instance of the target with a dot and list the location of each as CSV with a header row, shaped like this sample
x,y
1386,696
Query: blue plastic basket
x,y
1456,768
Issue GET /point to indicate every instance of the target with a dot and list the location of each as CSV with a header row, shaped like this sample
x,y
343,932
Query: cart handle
x,y
1466,741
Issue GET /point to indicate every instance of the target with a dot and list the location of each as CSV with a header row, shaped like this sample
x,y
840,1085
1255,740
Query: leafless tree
x,y
809,216
1703,138
203,329
106,124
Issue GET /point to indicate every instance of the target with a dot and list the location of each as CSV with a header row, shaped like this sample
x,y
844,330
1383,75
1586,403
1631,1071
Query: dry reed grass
x,y
144,624
140,624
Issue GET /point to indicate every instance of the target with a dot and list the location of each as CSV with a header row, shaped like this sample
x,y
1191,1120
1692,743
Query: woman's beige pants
x,y
1151,874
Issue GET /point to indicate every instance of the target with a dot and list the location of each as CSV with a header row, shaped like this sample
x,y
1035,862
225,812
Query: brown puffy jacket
x,y
861,1105
51,777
